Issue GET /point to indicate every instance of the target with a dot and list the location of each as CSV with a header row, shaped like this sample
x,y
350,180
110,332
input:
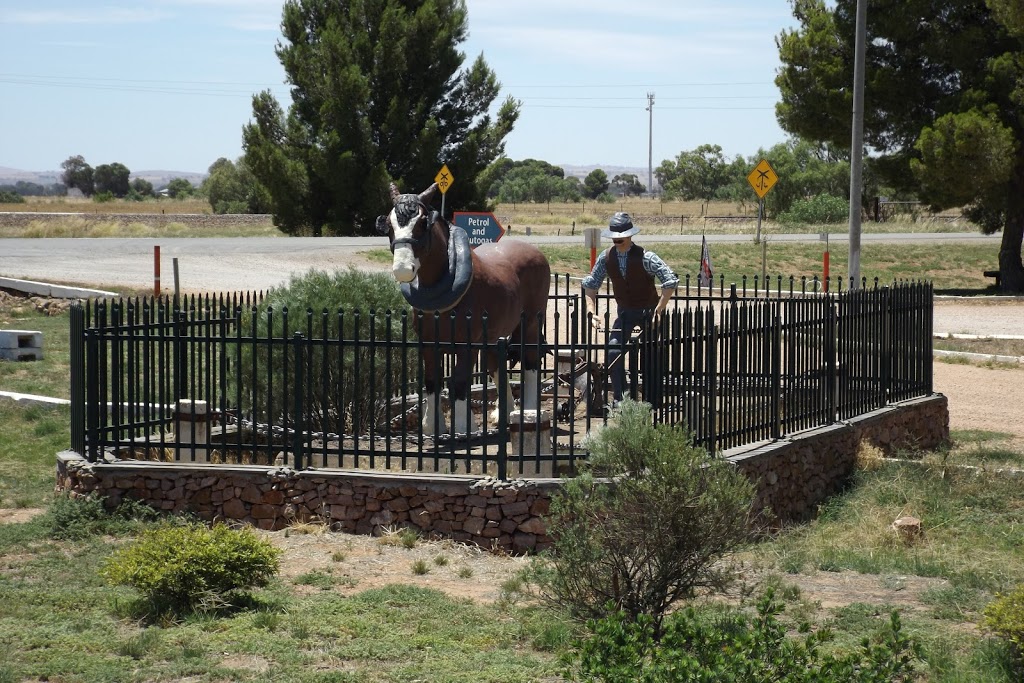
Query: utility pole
x,y
650,143
857,142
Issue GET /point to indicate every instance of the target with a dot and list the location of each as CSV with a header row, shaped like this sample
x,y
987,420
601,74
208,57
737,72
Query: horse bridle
x,y
423,241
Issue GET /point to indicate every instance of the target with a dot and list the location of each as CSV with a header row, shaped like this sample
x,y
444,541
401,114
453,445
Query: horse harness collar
x,y
449,290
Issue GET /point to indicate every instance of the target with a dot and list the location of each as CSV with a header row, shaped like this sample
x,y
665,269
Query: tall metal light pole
x,y
857,142
650,143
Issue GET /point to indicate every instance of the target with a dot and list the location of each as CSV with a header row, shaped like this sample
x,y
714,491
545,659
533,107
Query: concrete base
x,y
21,345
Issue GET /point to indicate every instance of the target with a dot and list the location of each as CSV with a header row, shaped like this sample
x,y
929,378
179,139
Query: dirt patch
x,y
19,515
349,564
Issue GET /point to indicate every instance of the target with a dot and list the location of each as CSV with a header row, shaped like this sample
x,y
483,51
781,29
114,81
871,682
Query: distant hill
x,y
9,176
582,171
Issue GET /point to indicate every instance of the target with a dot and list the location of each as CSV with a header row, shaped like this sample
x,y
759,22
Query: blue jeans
x,y
621,329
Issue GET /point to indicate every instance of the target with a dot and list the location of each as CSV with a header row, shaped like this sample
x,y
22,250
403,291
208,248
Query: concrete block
x,y
21,345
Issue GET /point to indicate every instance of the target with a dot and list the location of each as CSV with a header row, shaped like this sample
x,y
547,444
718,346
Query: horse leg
x,y
531,334
463,420
432,420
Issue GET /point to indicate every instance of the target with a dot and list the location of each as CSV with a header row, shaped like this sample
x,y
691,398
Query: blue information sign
x,y
481,227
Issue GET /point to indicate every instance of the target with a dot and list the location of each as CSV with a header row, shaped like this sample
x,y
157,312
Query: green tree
x,y
142,187
231,188
112,178
77,173
657,530
180,188
628,184
379,92
595,184
701,173
944,88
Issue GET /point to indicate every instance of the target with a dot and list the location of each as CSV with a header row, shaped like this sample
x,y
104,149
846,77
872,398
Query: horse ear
x,y
382,225
394,192
428,194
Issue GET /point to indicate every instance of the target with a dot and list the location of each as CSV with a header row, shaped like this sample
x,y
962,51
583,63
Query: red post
x,y
156,270
826,270
593,257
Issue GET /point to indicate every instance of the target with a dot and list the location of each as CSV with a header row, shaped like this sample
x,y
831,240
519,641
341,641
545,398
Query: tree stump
x,y
907,528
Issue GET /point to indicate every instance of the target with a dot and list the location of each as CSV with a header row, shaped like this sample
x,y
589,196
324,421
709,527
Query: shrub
x,y
732,647
654,533
346,386
1005,616
822,208
7,197
78,518
103,197
179,568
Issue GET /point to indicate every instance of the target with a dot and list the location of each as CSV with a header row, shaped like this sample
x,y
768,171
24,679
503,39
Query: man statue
x,y
632,271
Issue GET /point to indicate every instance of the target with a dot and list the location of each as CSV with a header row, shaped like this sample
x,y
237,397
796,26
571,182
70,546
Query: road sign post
x,y
444,180
762,179
480,226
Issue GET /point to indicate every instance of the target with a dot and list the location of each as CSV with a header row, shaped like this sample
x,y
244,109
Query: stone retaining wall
x,y
793,477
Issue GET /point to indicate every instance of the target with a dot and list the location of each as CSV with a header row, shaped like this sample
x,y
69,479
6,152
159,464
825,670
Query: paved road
x,y
253,263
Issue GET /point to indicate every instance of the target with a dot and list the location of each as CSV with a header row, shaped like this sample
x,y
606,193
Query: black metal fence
x,y
228,379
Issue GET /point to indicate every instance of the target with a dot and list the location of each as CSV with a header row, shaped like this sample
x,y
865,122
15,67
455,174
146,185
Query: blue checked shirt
x,y
654,266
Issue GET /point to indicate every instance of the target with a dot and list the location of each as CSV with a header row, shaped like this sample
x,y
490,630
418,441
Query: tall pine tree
x,y
379,94
944,92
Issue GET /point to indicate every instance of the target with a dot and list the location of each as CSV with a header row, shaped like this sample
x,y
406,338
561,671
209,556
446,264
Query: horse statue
x,y
439,273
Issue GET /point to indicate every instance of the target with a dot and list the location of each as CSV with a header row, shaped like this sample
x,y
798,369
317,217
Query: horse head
x,y
409,227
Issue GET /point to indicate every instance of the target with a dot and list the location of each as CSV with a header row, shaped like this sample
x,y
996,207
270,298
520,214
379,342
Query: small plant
x,y
182,568
139,645
465,572
420,567
320,579
338,556
733,647
78,518
441,560
1005,616
656,531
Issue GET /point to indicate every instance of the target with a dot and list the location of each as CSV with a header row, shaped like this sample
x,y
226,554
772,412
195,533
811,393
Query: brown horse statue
x,y
439,273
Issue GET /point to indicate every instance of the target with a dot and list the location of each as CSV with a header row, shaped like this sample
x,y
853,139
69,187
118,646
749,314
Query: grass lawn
x,y
60,622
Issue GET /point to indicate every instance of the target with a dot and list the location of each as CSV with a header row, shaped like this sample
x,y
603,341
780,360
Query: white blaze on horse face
x,y
405,264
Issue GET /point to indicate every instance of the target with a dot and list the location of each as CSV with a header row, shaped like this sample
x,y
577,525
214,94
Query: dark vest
x,y
635,289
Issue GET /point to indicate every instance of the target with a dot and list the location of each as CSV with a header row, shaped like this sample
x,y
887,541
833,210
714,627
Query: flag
x,y
706,276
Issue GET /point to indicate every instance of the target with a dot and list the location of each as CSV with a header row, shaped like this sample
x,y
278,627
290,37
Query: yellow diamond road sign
x,y
444,179
762,178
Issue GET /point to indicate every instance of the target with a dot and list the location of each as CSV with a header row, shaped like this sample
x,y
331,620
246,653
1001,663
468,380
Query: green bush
x,y
733,647
78,518
656,531
820,209
1005,616
103,197
7,197
179,568
345,386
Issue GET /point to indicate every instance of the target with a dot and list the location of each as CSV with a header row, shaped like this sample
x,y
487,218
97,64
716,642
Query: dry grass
x,y
83,205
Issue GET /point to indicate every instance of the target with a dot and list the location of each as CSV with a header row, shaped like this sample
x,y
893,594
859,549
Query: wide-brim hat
x,y
620,225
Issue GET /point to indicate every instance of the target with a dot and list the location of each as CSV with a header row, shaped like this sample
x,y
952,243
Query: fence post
x,y
831,357
298,418
777,374
77,380
712,375
93,394
502,408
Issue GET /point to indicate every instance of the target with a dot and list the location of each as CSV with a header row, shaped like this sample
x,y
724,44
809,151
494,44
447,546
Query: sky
x,y
167,84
